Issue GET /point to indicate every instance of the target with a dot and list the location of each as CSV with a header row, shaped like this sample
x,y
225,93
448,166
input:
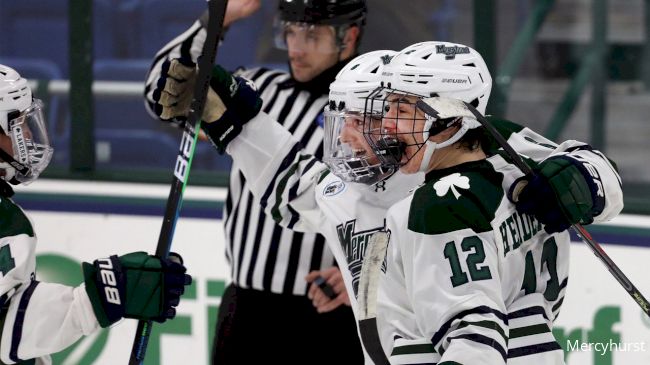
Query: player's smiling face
x,y
402,120
352,134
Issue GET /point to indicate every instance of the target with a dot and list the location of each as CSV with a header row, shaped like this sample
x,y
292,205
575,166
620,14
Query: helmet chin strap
x,y
430,146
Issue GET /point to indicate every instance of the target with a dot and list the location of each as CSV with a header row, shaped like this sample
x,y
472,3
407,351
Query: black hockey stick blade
x,y
217,12
578,228
370,338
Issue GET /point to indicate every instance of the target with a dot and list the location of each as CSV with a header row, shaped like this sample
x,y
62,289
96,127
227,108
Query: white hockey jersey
x,y
483,282
300,193
37,319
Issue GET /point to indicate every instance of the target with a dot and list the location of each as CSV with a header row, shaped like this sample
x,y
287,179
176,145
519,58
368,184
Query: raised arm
x,y
281,175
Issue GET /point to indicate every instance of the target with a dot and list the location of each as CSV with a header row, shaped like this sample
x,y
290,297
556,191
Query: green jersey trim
x,y
15,221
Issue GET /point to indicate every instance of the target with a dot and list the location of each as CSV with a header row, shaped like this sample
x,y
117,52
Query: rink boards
x,y
78,221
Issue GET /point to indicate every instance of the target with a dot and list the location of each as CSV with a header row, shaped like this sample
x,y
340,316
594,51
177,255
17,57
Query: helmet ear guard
x,y
442,113
440,109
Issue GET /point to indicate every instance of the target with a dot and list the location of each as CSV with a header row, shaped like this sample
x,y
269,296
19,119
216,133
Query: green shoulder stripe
x,y
282,185
463,199
14,220
323,175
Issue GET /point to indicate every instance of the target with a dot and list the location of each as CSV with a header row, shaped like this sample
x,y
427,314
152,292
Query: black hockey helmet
x,y
338,14
323,12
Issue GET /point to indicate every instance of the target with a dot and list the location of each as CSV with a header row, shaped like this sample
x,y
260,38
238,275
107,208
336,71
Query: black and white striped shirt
x,y
263,255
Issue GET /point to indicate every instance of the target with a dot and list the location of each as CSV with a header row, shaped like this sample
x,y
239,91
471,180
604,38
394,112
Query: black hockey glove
x,y
136,285
230,103
558,195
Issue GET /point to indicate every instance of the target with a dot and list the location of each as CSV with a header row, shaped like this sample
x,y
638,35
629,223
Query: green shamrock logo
x,y
452,182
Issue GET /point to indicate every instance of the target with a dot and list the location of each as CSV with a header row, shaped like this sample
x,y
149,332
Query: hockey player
x,y
37,318
469,277
483,281
347,200
268,263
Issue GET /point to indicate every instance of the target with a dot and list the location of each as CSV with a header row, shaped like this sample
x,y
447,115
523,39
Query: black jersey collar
x,y
5,189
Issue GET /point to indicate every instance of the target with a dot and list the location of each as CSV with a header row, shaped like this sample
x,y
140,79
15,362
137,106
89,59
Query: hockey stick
x,y
578,228
216,11
367,300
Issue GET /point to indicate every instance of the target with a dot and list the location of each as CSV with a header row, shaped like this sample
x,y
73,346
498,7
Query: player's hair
x,y
474,139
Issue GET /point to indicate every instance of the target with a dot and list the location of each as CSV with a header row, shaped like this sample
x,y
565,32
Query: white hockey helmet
x,y
346,151
424,70
27,151
354,83
441,69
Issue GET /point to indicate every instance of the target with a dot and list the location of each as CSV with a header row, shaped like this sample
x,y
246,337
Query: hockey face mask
x,y
346,151
404,129
396,133
26,149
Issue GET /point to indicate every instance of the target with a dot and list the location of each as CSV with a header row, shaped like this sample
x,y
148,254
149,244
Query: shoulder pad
x,y
14,220
465,199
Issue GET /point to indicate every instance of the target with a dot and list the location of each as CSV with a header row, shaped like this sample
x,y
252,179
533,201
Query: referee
x,y
265,313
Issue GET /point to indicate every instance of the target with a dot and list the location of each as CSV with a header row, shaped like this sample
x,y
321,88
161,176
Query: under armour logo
x,y
380,185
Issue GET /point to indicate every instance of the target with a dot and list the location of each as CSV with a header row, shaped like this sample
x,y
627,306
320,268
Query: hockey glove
x,y
558,194
135,285
230,103
174,90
